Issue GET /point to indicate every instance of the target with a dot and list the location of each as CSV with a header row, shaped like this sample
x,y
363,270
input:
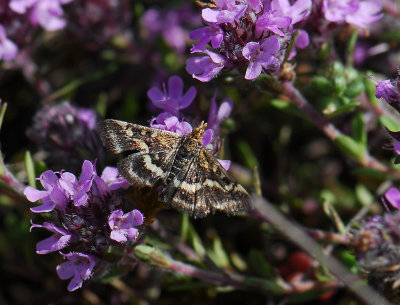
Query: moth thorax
x,y
198,132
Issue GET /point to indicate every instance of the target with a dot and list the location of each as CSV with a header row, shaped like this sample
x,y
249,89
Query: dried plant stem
x,y
265,211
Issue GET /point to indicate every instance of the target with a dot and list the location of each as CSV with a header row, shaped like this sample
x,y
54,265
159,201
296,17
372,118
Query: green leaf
x,y
389,123
370,89
248,155
263,285
351,46
354,89
359,131
3,108
30,169
363,195
189,234
340,84
259,264
151,256
321,84
349,260
341,109
218,254
370,173
350,147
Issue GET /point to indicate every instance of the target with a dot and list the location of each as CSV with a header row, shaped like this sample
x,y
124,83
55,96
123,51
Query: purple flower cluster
x,y
357,12
19,16
247,32
66,133
171,25
173,102
258,33
89,218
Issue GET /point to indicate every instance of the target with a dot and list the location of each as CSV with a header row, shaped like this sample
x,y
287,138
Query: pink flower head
x,y
358,12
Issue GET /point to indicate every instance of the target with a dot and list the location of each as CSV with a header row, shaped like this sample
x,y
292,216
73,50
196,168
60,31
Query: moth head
x,y
198,132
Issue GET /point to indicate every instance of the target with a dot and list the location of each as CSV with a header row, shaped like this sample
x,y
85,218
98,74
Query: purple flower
x,y
296,12
67,134
302,42
218,114
123,225
57,241
227,11
46,13
171,25
76,189
169,122
205,68
109,181
211,33
357,12
390,93
226,164
393,197
261,56
51,197
21,6
8,49
173,99
271,21
79,267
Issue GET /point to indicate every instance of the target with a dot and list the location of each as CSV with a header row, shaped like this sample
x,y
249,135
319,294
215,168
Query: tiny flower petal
x,y
393,197
79,267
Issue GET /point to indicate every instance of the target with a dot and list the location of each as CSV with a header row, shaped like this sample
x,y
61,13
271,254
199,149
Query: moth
x,y
185,175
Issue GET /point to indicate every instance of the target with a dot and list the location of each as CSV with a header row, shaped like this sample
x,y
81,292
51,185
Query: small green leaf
x,y
341,109
188,233
349,260
350,147
321,84
30,169
248,155
351,46
354,89
3,108
259,264
370,173
370,89
340,84
264,285
218,254
152,256
359,131
363,195
390,124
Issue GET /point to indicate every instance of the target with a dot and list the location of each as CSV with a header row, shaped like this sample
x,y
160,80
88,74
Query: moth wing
x,y
118,136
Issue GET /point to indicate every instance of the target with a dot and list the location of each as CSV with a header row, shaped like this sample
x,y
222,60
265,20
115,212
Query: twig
x,y
330,130
265,211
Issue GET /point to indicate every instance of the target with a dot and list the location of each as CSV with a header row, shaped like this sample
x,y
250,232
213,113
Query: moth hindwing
x,y
185,174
